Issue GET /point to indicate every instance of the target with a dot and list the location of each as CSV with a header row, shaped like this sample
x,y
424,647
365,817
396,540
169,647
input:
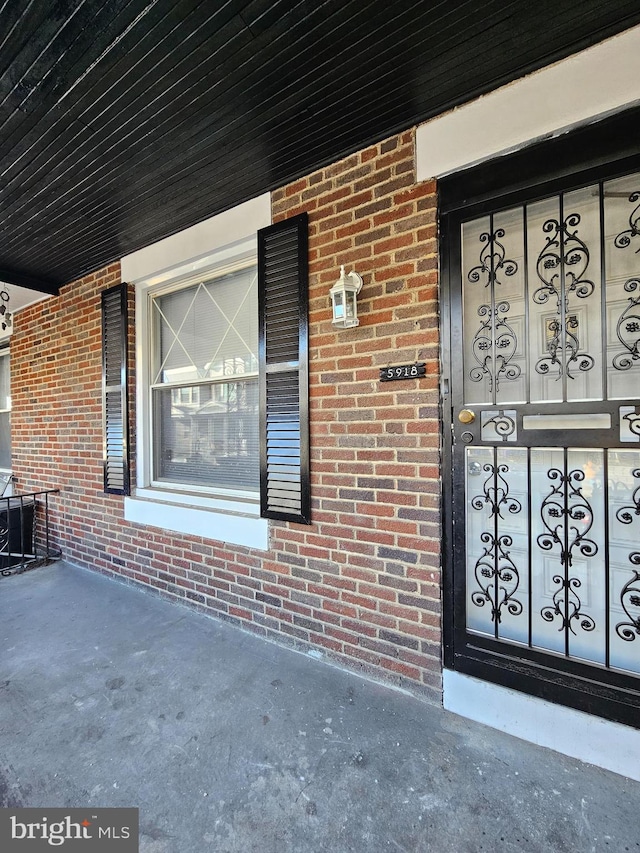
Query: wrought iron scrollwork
x,y
628,329
630,592
497,577
567,604
625,514
495,492
495,343
495,572
492,259
633,420
568,517
630,601
624,237
503,424
564,259
494,334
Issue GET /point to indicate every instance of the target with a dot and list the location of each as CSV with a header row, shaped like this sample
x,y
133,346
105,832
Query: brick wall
x,y
371,557
362,582
56,423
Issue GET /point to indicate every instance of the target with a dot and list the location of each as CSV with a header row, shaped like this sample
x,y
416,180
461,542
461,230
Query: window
x,y
221,410
204,383
5,411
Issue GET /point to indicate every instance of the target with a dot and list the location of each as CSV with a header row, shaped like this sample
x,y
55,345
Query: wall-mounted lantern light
x,y
343,299
6,318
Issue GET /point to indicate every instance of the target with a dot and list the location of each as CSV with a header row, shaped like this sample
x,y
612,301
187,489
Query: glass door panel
x,y
494,309
568,554
622,241
547,433
497,542
545,332
624,548
565,283
476,294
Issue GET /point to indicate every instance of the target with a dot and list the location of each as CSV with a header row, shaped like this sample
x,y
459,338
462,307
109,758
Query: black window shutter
x,y
283,300
114,391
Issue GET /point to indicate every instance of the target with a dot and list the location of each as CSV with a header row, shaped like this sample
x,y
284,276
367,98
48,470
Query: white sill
x,y
234,522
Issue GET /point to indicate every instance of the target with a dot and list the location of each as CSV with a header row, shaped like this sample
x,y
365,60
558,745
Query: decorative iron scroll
x,y
503,424
628,329
492,259
564,258
494,334
624,237
633,419
630,600
495,492
625,513
497,577
567,516
495,572
630,592
495,339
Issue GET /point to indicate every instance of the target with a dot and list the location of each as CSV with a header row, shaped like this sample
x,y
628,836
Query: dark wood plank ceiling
x,y
124,121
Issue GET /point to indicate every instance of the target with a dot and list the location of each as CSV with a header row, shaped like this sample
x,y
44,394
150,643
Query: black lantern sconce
x,y
6,318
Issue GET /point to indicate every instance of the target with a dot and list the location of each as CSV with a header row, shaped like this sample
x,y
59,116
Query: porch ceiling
x,y
126,121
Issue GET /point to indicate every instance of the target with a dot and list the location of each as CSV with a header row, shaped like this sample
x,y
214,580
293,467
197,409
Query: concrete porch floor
x,y
110,696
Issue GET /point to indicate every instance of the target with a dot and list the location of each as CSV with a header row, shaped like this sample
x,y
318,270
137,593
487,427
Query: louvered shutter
x,y
284,372
114,390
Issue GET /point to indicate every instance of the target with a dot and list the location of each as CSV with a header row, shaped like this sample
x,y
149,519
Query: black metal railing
x,y
25,537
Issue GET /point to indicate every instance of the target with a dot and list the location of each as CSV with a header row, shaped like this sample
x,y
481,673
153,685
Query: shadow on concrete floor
x,y
111,697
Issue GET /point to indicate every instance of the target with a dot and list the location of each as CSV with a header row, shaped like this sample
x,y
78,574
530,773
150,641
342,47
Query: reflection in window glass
x,y
205,385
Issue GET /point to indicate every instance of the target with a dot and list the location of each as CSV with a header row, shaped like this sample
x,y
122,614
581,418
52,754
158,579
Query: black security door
x,y
543,411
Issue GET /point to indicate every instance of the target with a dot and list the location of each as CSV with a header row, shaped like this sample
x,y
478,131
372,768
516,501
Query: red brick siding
x,y
362,582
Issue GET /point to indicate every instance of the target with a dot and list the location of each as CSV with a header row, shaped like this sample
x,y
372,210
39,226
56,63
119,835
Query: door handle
x,y
466,416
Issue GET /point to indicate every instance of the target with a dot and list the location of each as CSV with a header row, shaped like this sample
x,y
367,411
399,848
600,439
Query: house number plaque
x,y
403,371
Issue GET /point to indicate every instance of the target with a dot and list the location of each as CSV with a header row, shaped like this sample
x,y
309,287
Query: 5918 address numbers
x,y
403,371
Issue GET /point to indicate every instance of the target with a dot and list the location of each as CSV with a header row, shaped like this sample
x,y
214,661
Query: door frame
x,y
597,152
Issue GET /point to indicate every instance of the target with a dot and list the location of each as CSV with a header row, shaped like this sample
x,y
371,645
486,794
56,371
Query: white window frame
x,y
213,514
246,259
